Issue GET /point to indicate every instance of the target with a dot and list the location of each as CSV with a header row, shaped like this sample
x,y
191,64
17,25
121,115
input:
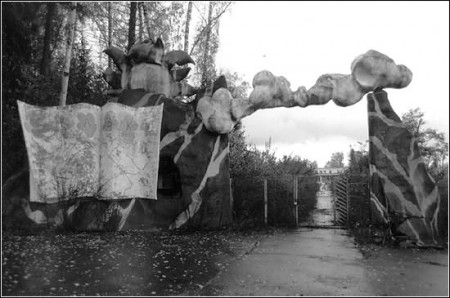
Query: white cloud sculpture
x,y
370,71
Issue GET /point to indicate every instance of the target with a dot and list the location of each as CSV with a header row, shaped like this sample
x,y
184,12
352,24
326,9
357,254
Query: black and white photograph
x,y
225,148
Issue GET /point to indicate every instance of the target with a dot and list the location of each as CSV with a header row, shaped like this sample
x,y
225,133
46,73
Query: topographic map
x,y
83,150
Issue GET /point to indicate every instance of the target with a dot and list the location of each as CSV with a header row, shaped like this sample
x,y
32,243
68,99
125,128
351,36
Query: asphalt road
x,y
323,215
326,262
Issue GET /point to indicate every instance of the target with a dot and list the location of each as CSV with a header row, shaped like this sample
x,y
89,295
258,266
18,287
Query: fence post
x,y
296,200
368,197
231,198
265,200
348,200
333,197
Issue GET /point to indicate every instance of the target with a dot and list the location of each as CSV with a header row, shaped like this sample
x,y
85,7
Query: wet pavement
x,y
318,262
323,214
326,262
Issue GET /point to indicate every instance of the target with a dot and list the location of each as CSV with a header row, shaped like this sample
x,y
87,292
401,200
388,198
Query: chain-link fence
x,y
258,201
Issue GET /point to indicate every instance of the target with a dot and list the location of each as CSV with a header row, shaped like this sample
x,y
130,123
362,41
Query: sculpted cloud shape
x,y
370,71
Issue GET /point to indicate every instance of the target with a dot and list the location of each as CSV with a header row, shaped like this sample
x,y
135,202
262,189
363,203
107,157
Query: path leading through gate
x,y
324,214
346,204
326,262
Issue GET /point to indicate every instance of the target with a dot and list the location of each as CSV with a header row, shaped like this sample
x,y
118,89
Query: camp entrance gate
x,y
346,204
347,201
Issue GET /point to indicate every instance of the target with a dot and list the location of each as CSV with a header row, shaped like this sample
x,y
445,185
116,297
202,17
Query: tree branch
x,y
146,22
213,23
200,13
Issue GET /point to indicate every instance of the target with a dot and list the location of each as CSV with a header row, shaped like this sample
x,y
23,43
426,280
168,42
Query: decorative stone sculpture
x,y
401,188
370,71
147,66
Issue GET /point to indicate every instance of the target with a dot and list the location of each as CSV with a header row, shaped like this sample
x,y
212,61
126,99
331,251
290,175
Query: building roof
x,y
329,171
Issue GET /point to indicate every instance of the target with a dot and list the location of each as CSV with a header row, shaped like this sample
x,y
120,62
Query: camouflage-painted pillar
x,y
401,187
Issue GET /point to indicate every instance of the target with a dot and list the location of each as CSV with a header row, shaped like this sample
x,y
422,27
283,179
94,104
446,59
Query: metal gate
x,y
340,198
359,213
351,198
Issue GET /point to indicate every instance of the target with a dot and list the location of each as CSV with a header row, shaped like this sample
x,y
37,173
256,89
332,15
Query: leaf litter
x,y
117,263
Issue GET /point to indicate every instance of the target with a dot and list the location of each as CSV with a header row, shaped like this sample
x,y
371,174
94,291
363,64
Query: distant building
x,y
327,174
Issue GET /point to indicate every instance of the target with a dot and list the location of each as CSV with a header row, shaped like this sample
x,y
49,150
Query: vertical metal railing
x,y
231,199
341,200
265,201
296,200
271,201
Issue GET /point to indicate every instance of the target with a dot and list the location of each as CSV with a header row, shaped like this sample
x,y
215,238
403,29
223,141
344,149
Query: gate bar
x,y
333,196
296,200
265,200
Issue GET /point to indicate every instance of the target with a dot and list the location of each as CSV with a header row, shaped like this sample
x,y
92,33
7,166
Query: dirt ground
x,y
116,263
407,271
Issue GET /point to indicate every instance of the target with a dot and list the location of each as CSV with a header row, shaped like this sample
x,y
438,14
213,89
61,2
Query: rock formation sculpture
x,y
402,192
146,66
370,71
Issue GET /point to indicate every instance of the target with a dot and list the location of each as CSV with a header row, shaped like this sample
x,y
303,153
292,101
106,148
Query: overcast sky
x,y
303,40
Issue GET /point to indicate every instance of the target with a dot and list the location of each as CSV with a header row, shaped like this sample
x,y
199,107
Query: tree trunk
x,y
46,53
141,25
186,30
109,31
147,23
70,35
132,25
205,76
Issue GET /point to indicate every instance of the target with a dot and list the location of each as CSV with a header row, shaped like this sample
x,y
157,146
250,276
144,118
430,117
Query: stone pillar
x,y
401,187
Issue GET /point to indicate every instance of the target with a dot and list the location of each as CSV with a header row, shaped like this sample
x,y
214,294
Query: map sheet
x,y
83,150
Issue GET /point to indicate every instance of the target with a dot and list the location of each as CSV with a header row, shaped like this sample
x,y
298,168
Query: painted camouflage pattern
x,y
402,191
200,156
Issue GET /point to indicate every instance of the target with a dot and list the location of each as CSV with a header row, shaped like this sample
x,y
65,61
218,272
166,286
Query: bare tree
x,y
146,21
206,46
132,25
141,27
210,24
186,30
46,53
70,35
109,31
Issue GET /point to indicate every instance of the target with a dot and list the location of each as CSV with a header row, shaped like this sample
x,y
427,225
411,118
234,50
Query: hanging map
x,y
83,150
